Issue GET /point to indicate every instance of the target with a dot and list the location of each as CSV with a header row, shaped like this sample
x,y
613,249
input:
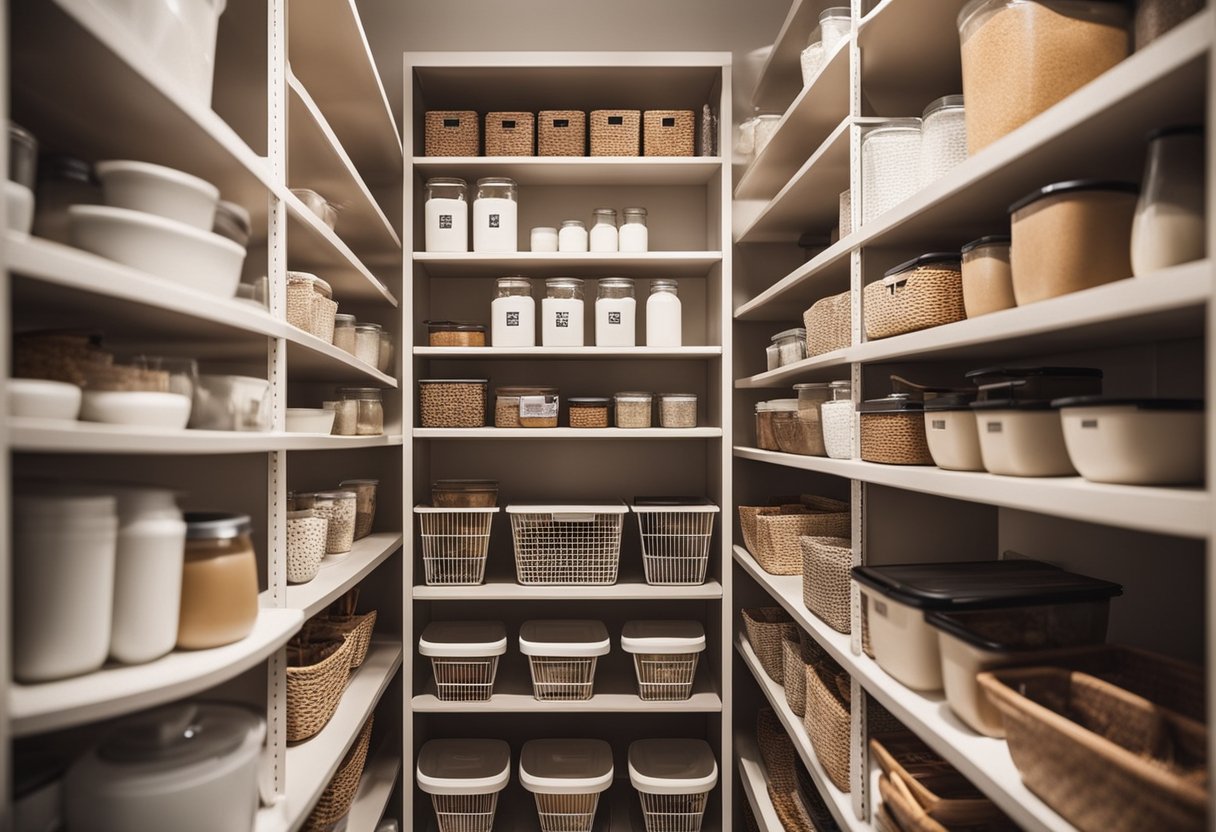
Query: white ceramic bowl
x,y
310,420
1022,439
158,190
140,408
1135,441
168,249
19,206
35,398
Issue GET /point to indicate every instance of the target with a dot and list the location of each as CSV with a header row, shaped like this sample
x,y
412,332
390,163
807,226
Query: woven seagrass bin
x,y
452,133
766,627
826,585
829,324
895,439
917,298
315,686
669,132
338,796
796,653
341,621
780,762
777,534
510,134
561,133
615,132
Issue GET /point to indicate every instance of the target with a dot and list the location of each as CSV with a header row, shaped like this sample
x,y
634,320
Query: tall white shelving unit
x,y
1151,336
689,204
285,114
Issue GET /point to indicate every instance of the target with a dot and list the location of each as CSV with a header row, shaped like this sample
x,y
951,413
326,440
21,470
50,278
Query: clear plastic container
x,y
223,402
340,509
677,410
365,504
455,334
943,138
562,657
766,127
603,234
615,313
633,410
495,215
368,410
1170,225
447,215
572,238
838,418
344,332
834,25
526,407
367,343
890,166
319,205
772,357
801,431
791,346
562,312
589,412
384,362
634,234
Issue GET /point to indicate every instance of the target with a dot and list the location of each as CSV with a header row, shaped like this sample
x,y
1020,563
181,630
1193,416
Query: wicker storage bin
x,y
829,324
338,796
310,305
748,515
615,132
669,132
563,544
922,293
780,761
452,402
797,651
455,543
778,550
357,629
1105,759
510,134
452,133
826,586
1168,682
561,133
895,439
314,690
766,628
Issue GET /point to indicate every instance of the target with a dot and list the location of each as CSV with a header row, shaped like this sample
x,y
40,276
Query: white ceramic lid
x,y
565,766
675,505
663,637
672,766
564,637
178,177
587,508
464,766
454,639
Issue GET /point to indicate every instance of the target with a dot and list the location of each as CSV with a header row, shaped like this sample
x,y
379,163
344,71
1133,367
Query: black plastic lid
x,y
923,260
57,166
950,401
1175,130
1056,188
988,584
994,635
589,401
670,501
1012,404
1141,404
1008,373
991,239
894,403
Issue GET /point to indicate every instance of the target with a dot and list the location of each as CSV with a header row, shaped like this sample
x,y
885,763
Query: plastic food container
x,y
924,292
589,412
455,542
446,214
972,642
987,276
313,201
464,493
665,656
142,408
455,334
800,431
567,544
367,343
1170,226
464,778
771,418
1035,383
310,420
464,657
890,166
33,398
838,420
365,504
893,431
791,346
1135,441
1070,236
943,138
231,403
766,440
1022,438
567,778
633,410
452,402
673,778
562,655
677,410
158,190
952,434
1020,57
306,535
361,408
495,215
526,407
339,510
899,596
219,581
676,533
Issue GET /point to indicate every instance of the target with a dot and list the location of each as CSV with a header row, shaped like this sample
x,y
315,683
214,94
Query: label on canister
x,y
538,407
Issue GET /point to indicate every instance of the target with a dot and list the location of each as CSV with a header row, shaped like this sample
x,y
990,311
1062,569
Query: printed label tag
x,y
445,221
995,427
451,122
614,317
939,424
616,119
538,407
880,607
561,122
1089,424
508,124
512,319
563,320
494,220
668,121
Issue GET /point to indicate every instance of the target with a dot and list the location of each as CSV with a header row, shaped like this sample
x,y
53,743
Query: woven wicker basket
x,y
780,761
1105,759
615,132
749,818
829,324
827,721
322,317
812,803
669,132
826,586
766,627
1168,682
793,672
313,692
748,515
561,133
931,296
452,133
895,439
338,796
357,629
777,535
510,134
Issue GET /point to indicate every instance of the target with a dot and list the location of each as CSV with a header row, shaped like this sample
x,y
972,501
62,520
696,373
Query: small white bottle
x,y
513,314
573,237
664,315
603,231
496,215
633,235
544,239
447,215
615,313
561,312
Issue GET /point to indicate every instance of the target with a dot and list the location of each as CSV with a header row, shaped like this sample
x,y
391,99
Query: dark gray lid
x,y
1057,188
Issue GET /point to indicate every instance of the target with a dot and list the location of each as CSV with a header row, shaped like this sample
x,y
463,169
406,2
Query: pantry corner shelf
x,y
121,689
375,788
625,590
569,353
341,572
677,264
781,77
790,296
313,246
311,358
754,778
48,436
555,434
575,170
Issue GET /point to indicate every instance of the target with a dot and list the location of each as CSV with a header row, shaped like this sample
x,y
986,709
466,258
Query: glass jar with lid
x,y
455,334
801,432
664,315
344,332
562,312
634,235
385,361
1169,227
603,230
361,408
678,410
766,127
890,165
765,440
526,407
365,504
572,239
513,313
834,25
367,343
791,346
615,313
447,214
633,410
306,532
943,142
340,508
219,603
838,420
495,215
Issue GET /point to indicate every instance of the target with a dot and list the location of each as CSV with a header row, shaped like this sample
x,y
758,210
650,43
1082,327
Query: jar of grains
x,y
367,343
588,412
513,313
766,440
837,417
452,402
455,334
340,509
344,332
306,536
678,410
791,346
890,165
365,504
368,408
633,410
943,142
526,407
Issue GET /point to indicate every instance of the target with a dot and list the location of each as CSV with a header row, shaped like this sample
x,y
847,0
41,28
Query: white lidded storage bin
x,y
567,544
665,655
464,657
455,543
567,777
1134,441
1022,439
463,778
676,534
562,656
673,778
950,428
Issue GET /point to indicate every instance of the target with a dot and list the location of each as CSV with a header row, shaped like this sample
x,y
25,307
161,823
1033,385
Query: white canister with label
x,y
513,314
447,215
562,312
495,215
615,313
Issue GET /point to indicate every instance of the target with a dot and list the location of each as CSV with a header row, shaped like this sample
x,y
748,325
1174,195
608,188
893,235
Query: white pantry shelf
x,y
677,264
341,572
554,434
829,363
626,590
35,435
310,358
899,76
781,76
574,170
753,776
376,786
312,246
121,689
570,353
787,298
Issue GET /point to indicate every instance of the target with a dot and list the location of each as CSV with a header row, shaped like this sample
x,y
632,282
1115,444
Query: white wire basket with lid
x,y
562,655
567,544
464,657
665,656
673,778
676,535
464,778
567,777
455,544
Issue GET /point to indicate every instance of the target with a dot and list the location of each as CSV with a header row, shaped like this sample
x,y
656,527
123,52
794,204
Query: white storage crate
x,y
562,656
676,533
455,543
567,777
665,655
463,778
573,545
464,657
673,778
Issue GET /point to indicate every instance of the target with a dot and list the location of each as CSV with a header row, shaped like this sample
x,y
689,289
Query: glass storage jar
x,y
526,407
562,312
367,343
766,126
802,433
603,235
365,504
447,214
306,532
63,181
943,142
678,410
634,234
344,332
1169,226
811,60
890,165
572,239
838,421
368,410
544,238
791,346
772,355
384,362
219,581
834,25
340,509
765,440
588,412
633,409
779,411
495,215
615,313
745,143
455,334
664,315
513,313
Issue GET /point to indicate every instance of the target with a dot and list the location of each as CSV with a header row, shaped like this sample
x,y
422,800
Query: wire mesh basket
x,y
455,543
673,812
562,655
675,539
665,677
567,812
464,680
673,778
561,678
465,812
567,544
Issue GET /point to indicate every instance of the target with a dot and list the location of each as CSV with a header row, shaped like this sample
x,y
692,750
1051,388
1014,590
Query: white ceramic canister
x,y
544,239
513,314
572,239
664,315
634,235
496,215
603,235
1170,226
446,214
615,313
561,312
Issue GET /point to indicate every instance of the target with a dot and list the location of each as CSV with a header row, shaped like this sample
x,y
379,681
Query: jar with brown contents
x,y
365,504
589,412
219,581
526,407
456,334
452,402
464,493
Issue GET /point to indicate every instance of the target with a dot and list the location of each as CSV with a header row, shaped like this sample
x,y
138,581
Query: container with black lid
x,y
1035,383
1021,438
923,292
987,276
1134,441
893,431
954,440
